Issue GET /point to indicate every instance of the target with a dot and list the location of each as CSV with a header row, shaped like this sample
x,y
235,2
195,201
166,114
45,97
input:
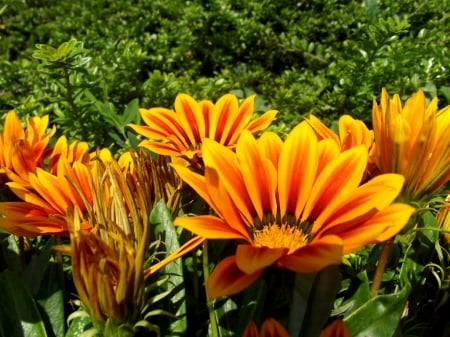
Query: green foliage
x,y
299,62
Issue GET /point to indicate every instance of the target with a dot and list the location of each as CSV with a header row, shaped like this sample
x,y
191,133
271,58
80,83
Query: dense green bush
x,y
323,57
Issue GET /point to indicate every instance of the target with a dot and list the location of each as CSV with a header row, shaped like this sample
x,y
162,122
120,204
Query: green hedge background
x,y
326,57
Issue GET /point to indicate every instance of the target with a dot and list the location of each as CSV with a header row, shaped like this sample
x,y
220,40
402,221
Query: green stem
x,y
381,267
209,303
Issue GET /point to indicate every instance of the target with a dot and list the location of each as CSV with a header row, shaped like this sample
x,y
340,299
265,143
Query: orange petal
x,y
384,225
225,163
339,176
260,176
297,169
186,248
191,117
272,328
336,329
317,255
250,259
208,226
262,122
228,279
361,204
250,330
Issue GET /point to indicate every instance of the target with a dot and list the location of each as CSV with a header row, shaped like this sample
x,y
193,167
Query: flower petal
x,y
315,256
208,226
228,279
250,259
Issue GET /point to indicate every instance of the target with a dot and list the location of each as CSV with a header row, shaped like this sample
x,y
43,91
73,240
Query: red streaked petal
x,y
340,176
228,279
297,169
250,259
351,210
381,227
262,122
225,163
315,256
191,117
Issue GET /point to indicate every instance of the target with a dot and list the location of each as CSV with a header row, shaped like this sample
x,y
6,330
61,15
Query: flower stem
x,y
209,303
382,263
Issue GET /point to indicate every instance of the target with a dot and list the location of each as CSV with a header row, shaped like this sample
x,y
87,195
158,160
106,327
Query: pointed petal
x,y
221,117
381,227
208,226
272,328
341,175
336,329
250,259
186,248
297,169
250,330
315,256
262,122
191,117
228,279
359,205
224,162
260,176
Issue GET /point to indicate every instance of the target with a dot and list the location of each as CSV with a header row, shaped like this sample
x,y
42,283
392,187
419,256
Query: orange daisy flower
x,y
182,132
22,150
296,205
269,328
46,202
413,141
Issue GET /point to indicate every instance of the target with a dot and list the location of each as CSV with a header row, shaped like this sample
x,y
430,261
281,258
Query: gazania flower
x,y
182,132
269,328
413,141
352,132
47,200
296,205
22,150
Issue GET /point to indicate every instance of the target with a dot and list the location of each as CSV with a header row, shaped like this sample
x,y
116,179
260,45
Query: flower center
x,y
284,236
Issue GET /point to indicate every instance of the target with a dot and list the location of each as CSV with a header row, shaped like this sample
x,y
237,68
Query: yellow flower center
x,y
284,236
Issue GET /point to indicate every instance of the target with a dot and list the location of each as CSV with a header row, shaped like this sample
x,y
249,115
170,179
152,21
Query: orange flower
x,y
269,328
46,202
337,328
413,141
22,150
182,132
297,205
352,132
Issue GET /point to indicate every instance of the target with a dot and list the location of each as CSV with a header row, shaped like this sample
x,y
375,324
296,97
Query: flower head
x,y
181,132
23,150
413,141
297,205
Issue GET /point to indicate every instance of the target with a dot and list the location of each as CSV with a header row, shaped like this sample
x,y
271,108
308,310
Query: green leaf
x,y
380,316
79,323
163,229
19,315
